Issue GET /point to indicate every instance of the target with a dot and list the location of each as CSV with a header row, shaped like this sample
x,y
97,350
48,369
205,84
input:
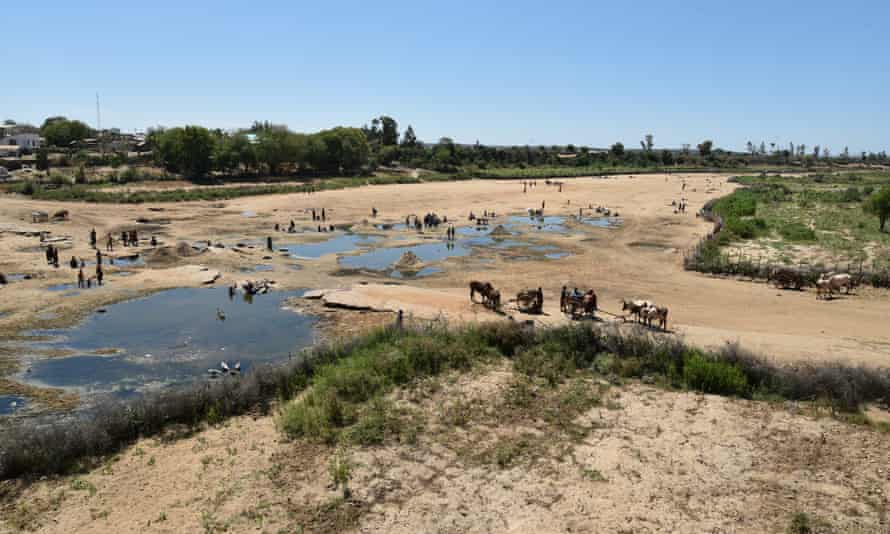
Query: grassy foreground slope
x,y
486,429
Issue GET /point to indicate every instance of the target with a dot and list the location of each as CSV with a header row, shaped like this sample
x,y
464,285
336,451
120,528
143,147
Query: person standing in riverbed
x,y
98,257
109,245
93,238
99,275
80,279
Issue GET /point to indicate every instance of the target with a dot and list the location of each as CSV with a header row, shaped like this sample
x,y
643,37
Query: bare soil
x,y
635,458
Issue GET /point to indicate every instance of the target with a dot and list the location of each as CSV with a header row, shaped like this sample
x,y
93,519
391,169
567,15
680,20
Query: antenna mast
x,y
99,126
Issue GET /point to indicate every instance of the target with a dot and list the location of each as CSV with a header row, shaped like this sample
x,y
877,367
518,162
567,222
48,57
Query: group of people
x,y
52,256
528,183
319,216
450,233
485,215
130,238
430,220
84,282
679,207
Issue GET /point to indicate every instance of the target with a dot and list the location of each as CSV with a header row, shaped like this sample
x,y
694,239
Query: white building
x,y
9,151
28,141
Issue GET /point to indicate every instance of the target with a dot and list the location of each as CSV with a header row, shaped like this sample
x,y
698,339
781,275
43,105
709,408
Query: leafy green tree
x,y
59,131
617,150
388,154
409,139
42,161
650,142
338,150
445,154
878,204
279,146
389,131
187,150
667,157
226,152
705,147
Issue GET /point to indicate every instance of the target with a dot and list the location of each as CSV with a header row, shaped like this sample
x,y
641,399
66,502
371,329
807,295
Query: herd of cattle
x,y
584,304
826,284
576,303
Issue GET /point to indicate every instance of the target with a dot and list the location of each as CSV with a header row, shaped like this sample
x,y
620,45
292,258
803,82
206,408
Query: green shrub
x,y
713,376
548,362
381,421
851,194
800,524
353,380
742,203
797,232
746,228
316,416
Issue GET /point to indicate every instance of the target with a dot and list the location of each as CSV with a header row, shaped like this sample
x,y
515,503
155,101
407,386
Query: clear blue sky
x,y
508,72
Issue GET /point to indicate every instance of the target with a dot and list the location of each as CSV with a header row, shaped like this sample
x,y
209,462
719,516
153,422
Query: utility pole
x,y
99,127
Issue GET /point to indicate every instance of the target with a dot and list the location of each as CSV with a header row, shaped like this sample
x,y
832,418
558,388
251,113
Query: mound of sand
x,y
408,262
500,230
171,254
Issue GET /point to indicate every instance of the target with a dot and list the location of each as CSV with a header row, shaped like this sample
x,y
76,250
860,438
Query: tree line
x,y
196,151
266,148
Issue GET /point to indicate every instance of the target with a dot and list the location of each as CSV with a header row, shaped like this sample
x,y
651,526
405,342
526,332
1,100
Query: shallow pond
x,y
602,222
170,337
11,403
550,223
257,269
335,245
63,287
426,271
392,226
383,258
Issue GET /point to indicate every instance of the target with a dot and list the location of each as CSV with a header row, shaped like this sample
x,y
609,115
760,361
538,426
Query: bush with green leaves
x,y
712,375
797,232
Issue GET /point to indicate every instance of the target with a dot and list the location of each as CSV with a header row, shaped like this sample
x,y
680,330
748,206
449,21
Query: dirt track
x,y
641,259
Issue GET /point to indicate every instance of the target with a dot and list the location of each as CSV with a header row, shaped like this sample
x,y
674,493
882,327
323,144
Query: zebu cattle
x,y
823,288
658,314
491,297
635,307
838,281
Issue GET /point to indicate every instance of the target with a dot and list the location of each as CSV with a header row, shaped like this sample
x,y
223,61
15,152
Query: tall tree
x,y
705,147
389,131
617,149
187,150
878,204
409,139
650,142
59,131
